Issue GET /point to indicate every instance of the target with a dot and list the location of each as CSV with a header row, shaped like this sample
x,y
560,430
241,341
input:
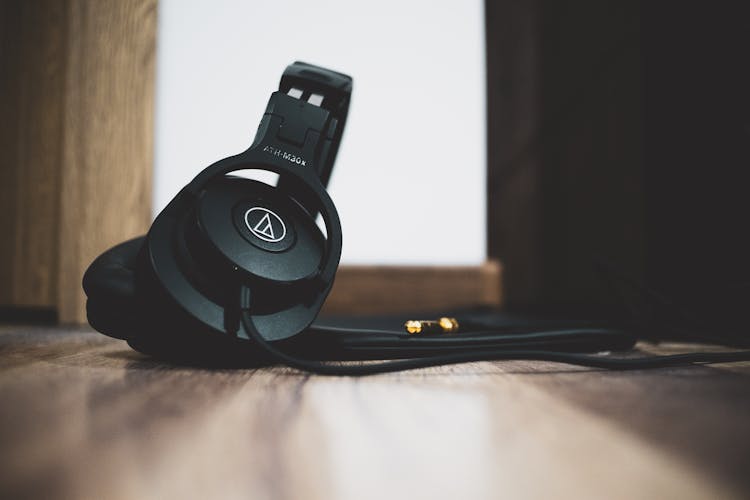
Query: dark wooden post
x,y
76,138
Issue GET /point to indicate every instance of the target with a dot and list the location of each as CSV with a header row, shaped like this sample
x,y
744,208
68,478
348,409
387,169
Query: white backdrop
x,y
409,181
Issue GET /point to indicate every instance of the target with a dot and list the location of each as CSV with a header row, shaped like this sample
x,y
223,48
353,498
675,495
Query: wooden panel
x,y
565,168
513,156
393,289
77,82
592,166
32,82
83,416
696,135
108,140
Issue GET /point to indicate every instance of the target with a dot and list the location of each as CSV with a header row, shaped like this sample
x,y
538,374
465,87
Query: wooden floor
x,y
83,416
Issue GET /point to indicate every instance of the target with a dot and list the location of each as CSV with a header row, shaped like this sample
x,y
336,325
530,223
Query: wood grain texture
x,y
83,416
32,83
108,142
77,82
393,289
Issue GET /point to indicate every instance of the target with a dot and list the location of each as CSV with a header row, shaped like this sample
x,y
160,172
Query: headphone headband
x,y
303,124
328,89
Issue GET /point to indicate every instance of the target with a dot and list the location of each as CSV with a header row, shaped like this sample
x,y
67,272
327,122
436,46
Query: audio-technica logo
x,y
265,224
283,154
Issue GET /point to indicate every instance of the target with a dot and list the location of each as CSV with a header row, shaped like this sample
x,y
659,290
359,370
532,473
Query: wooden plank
x,y
83,416
394,289
77,140
591,146
108,140
32,82
565,176
513,158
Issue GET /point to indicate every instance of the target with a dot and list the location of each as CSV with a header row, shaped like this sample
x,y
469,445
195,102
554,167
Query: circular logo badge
x,y
265,224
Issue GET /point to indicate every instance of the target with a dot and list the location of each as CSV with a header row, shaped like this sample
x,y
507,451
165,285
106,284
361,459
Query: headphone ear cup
x,y
112,305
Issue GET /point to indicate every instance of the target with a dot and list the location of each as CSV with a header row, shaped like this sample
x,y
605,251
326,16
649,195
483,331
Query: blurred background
x,y
412,162
536,155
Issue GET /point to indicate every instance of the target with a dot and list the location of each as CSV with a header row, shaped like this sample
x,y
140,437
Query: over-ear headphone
x,y
221,233
234,269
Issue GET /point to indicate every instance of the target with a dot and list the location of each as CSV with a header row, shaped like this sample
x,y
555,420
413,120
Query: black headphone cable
x,y
371,368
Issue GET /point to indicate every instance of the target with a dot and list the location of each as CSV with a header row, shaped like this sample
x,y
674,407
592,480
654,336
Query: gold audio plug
x,y
413,326
449,325
442,325
422,326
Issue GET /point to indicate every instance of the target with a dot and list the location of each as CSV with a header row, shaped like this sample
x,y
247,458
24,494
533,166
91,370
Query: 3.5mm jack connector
x,y
441,325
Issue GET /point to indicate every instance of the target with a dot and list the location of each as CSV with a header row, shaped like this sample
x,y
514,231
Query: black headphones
x,y
222,233
234,270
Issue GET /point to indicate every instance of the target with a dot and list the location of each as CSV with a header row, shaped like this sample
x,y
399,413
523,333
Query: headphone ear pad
x,y
112,305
